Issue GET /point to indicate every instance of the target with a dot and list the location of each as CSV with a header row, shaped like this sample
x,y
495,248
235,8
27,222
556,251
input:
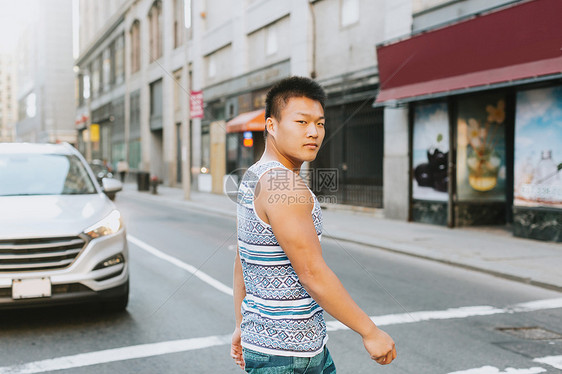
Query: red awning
x,y
249,121
520,42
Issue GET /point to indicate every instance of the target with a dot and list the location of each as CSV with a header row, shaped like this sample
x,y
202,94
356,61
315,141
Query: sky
x,y
12,15
15,13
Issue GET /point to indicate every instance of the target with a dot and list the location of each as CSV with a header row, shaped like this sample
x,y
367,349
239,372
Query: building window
x,y
78,99
187,14
212,66
134,130
349,12
106,69
156,104
119,59
100,67
86,87
30,105
155,24
177,90
112,64
135,46
271,41
95,77
179,23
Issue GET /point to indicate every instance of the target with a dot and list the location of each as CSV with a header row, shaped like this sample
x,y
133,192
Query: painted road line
x,y
189,268
454,313
175,346
494,370
554,361
117,354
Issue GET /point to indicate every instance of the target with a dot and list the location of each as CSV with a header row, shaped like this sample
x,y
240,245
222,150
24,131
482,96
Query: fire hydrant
x,y
154,183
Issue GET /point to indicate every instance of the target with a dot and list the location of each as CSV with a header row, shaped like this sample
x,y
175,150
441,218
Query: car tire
x,y
117,303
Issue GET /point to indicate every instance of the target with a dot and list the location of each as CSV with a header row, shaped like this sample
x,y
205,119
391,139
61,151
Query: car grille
x,y
39,254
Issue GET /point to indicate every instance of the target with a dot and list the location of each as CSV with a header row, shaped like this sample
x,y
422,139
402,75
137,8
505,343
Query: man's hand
x,y
236,348
380,346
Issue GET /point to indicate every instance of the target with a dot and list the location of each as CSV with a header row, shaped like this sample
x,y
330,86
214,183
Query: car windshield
x,y
96,168
43,174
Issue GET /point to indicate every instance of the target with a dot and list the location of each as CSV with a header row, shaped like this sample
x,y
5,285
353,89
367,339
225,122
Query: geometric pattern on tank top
x,y
278,315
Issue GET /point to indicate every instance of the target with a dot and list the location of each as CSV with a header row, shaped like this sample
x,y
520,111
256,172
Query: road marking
x,y
190,268
454,313
117,354
494,370
175,346
554,361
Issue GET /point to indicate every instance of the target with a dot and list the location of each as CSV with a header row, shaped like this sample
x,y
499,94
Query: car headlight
x,y
107,226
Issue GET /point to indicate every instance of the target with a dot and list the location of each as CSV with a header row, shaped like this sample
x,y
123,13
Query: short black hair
x,y
287,88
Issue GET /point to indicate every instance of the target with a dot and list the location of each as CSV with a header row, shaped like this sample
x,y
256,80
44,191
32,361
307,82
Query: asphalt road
x,y
443,319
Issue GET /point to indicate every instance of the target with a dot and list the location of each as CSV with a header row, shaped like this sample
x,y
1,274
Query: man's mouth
x,y
311,145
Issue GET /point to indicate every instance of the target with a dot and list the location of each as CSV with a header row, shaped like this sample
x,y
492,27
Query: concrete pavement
x,y
490,250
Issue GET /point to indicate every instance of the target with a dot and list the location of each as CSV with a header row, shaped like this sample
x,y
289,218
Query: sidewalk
x,y
490,250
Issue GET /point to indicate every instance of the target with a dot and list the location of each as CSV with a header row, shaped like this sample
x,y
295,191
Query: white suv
x,y
61,239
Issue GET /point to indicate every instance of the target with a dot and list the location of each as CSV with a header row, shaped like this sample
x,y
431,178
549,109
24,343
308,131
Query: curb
x,y
498,274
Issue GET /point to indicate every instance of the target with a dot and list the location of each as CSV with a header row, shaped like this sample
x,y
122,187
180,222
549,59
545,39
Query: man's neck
x,y
272,154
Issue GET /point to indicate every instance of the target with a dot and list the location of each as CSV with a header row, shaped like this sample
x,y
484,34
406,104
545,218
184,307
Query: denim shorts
x,y
263,363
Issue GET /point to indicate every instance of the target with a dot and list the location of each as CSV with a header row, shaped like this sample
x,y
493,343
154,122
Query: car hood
x,y
50,215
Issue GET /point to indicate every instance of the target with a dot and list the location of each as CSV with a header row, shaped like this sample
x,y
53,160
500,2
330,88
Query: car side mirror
x,y
111,185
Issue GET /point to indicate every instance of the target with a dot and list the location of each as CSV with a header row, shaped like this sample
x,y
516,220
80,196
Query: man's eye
x,y
301,122
320,124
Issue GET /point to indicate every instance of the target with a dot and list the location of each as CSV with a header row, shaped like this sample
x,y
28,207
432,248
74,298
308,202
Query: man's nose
x,y
311,130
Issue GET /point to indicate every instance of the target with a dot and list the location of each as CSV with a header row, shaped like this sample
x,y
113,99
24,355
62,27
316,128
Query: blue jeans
x,y
262,363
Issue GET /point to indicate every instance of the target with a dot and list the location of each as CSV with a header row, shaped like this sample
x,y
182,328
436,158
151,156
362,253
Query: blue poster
x,y
538,148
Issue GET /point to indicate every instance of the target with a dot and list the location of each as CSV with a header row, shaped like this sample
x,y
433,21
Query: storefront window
x,y
134,153
430,152
538,148
205,149
481,155
118,153
231,151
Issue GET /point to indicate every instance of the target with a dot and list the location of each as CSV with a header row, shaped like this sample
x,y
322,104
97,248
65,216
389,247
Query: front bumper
x,y
74,293
78,282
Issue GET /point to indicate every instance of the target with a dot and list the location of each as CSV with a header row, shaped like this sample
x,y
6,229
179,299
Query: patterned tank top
x,y
279,316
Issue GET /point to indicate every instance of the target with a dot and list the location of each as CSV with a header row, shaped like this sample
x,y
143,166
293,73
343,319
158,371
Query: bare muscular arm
x,y
289,214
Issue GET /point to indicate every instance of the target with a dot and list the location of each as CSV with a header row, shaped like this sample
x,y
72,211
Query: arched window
x,y
179,22
155,24
135,46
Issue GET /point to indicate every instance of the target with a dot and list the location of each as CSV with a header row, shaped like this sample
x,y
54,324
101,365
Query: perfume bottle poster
x,y
538,148
430,152
481,167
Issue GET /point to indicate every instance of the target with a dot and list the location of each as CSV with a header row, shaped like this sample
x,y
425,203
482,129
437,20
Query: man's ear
x,y
271,126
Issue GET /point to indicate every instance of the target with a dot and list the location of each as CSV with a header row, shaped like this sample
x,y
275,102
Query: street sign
x,y
196,104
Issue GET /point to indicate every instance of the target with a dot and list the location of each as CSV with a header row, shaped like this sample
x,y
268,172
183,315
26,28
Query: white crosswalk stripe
x,y
494,370
554,361
174,346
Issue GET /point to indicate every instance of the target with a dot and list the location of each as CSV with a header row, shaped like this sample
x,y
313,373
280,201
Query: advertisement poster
x,y
538,148
430,152
481,148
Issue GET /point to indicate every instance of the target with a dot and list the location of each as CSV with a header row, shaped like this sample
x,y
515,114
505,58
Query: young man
x,y
281,282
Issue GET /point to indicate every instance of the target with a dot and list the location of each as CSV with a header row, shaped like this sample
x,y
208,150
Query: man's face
x,y
300,131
